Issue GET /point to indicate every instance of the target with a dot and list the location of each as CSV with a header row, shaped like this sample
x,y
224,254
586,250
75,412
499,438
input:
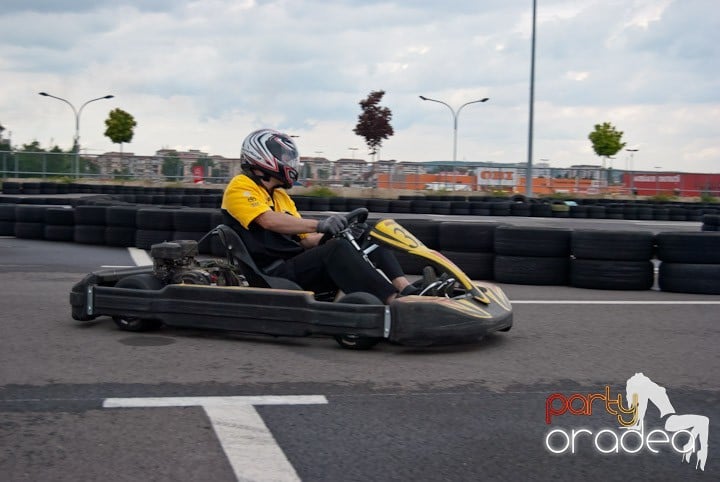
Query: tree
x,y
4,143
606,140
172,167
374,121
120,127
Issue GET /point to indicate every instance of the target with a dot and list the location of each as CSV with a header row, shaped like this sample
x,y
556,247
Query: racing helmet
x,y
273,153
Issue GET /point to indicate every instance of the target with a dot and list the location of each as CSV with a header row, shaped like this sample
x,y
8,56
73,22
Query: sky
x,y
203,74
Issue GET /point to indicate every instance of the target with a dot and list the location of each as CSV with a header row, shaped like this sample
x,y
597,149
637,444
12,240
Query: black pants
x,y
337,264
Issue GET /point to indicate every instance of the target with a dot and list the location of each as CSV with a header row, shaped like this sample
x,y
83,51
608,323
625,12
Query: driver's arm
x,y
283,223
311,240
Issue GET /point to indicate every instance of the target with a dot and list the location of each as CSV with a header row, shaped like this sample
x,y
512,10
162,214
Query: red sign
x,y
197,174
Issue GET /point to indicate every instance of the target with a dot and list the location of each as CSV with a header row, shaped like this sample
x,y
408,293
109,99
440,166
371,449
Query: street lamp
x,y
531,116
657,180
632,173
77,112
353,149
455,115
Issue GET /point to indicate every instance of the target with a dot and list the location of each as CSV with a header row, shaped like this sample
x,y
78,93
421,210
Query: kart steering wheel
x,y
356,216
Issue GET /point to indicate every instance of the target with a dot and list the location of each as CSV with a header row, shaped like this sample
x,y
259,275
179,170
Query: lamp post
x,y
531,120
77,112
657,180
353,149
455,115
632,173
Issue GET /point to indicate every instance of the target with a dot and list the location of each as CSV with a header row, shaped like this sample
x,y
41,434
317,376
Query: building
x,y
316,168
349,170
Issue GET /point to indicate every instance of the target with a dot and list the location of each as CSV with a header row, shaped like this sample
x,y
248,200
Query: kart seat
x,y
239,255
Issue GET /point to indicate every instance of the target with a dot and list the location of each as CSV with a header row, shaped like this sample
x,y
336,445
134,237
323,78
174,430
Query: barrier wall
x,y
689,262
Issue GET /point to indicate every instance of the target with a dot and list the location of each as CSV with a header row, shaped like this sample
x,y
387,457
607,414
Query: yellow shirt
x,y
245,200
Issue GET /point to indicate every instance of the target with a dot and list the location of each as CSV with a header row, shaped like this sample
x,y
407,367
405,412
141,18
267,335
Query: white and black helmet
x,y
273,153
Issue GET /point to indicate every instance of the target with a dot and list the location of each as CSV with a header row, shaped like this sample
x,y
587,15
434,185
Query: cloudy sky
x,y
202,74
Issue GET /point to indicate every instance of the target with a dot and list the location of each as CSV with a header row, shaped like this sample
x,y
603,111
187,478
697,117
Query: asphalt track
x,y
76,397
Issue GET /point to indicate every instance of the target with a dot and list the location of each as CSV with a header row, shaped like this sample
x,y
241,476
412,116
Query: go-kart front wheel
x,y
138,282
357,342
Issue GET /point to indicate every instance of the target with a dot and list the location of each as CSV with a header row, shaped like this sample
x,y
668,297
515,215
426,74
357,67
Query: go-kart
x,y
233,294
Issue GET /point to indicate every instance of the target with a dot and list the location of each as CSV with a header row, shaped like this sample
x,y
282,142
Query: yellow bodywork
x,y
389,232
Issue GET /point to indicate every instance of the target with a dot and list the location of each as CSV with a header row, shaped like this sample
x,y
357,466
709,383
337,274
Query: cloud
x,y
204,73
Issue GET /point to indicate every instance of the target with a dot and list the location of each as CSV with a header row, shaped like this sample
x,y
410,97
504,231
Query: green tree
x,y
4,143
59,162
374,121
172,167
120,127
606,140
30,158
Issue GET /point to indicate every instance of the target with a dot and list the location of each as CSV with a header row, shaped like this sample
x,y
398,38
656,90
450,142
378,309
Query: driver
x,y
282,243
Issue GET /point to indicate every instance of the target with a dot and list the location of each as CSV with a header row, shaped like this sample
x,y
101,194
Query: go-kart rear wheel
x,y
358,342
138,282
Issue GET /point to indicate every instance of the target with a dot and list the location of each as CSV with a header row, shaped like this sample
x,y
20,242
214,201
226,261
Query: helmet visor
x,y
284,150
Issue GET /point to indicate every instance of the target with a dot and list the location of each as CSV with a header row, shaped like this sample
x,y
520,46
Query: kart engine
x,y
175,263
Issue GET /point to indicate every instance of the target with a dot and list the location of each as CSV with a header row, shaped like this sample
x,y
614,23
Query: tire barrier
x,y
593,259
689,262
684,247
690,278
120,226
194,224
30,221
528,255
90,224
59,224
531,270
154,225
711,222
612,245
611,275
470,245
612,260
7,219
474,205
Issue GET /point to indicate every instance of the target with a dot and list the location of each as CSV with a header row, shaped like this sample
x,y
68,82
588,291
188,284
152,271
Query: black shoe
x,y
421,285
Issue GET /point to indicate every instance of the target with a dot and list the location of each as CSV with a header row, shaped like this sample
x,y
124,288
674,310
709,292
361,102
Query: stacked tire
x,y
194,224
612,260
90,224
531,256
470,246
59,224
30,221
120,229
7,219
154,225
711,222
690,262
560,209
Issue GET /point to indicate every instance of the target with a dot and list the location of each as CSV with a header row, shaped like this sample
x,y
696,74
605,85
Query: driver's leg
x,y
338,262
386,261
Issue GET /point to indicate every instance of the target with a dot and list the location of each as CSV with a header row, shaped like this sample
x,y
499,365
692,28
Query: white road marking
x,y
140,257
213,401
251,449
248,444
611,302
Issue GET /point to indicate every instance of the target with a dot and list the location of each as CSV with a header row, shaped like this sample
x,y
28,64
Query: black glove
x,y
332,224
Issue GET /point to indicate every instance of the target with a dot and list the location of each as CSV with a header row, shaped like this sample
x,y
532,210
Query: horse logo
x,y
641,390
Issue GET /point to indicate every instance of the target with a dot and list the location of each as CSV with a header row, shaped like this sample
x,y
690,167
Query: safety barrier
x,y
689,262
454,204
